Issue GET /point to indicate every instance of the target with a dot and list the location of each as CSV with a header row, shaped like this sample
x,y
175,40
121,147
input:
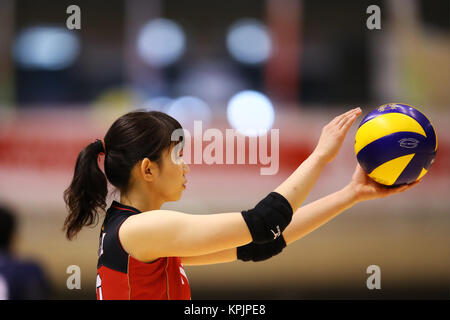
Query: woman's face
x,y
171,179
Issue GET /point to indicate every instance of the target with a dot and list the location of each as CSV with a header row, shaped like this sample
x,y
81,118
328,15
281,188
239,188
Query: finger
x,y
349,120
357,109
344,117
415,183
405,187
410,185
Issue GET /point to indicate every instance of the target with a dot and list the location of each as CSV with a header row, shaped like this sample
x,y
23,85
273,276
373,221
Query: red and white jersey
x,y
120,276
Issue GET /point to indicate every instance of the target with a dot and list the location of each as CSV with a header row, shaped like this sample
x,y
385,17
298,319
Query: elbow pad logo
x,y
276,234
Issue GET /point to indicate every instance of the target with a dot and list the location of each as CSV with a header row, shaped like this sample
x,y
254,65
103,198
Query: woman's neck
x,y
141,202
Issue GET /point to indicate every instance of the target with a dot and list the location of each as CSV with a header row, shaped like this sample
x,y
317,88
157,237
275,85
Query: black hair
x,y
131,138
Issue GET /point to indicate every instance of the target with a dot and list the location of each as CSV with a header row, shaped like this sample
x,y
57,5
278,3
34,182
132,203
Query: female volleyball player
x,y
143,248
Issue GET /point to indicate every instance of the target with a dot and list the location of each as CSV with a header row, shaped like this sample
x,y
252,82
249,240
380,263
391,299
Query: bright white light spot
x,y
250,113
189,109
161,42
248,41
48,48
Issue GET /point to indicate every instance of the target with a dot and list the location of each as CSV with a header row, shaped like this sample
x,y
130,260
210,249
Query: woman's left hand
x,y
364,188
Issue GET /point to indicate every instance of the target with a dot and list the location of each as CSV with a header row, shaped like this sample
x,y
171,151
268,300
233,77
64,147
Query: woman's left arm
x,y
305,220
315,214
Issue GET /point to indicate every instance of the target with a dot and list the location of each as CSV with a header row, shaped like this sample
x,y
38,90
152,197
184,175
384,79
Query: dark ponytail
x,y
131,138
87,192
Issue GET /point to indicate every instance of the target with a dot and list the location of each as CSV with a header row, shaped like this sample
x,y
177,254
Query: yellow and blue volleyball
x,y
395,144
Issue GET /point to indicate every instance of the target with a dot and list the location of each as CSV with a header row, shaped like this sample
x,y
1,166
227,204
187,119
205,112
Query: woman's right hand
x,y
333,135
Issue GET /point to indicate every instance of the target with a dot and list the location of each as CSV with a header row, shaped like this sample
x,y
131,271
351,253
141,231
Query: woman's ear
x,y
148,169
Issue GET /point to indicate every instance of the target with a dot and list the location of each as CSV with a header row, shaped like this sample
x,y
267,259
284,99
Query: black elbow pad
x,y
269,218
260,252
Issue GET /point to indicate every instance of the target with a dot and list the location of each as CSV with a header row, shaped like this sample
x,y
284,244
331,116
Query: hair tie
x,y
100,145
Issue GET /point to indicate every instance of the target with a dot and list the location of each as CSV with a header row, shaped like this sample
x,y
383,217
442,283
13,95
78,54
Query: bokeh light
x,y
161,42
250,112
188,109
248,41
46,48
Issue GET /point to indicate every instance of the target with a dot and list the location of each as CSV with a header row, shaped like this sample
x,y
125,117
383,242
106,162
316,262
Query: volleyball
x,y
395,144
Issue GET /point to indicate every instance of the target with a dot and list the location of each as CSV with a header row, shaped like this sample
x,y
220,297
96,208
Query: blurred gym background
x,y
301,61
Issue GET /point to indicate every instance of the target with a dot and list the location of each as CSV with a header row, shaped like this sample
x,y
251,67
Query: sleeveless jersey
x,y
120,276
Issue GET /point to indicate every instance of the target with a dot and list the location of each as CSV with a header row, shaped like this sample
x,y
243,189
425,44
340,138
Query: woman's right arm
x,y
163,233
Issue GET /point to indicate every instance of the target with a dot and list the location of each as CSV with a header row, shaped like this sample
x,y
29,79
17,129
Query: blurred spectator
x,y
19,280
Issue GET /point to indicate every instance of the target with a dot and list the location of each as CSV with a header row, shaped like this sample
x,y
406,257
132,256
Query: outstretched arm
x,y
315,214
305,220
